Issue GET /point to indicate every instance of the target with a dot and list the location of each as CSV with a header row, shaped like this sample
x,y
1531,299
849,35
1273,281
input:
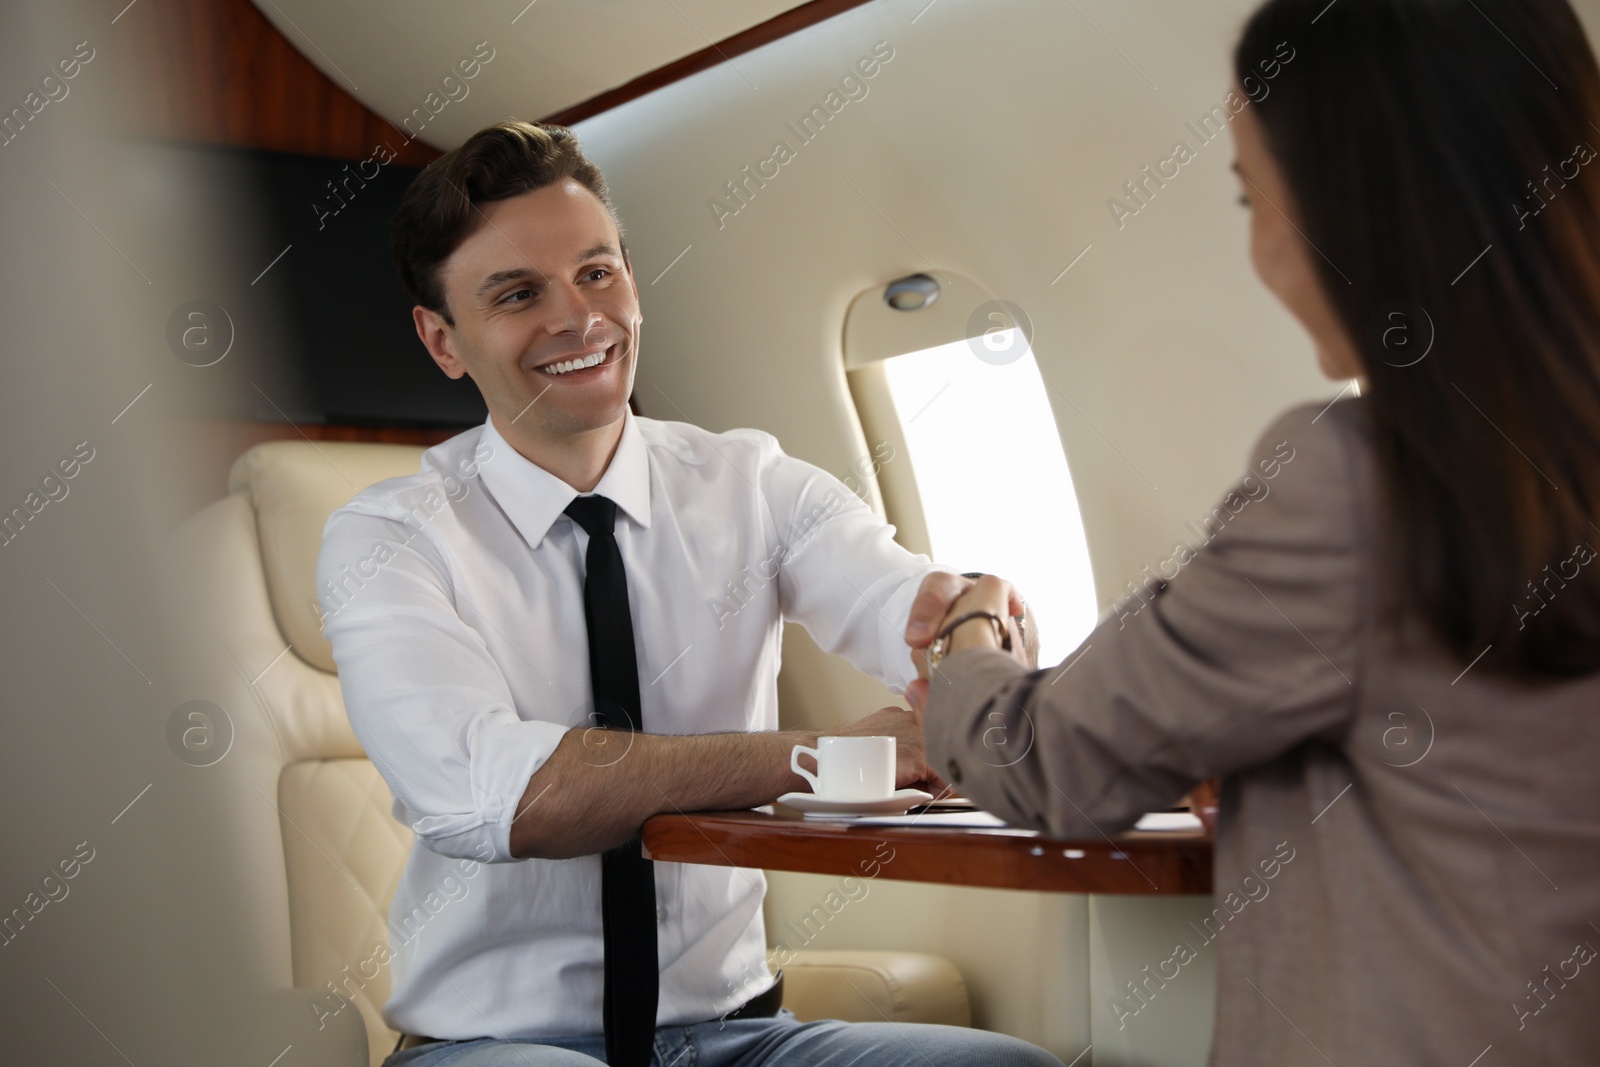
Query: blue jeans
x,y
781,1041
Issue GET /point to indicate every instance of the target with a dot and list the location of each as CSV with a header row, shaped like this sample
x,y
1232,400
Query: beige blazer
x,y
1408,849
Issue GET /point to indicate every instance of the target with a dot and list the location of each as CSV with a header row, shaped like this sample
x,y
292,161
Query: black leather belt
x,y
762,1006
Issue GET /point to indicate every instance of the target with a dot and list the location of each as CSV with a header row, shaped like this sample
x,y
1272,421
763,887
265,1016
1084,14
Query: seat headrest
x,y
294,486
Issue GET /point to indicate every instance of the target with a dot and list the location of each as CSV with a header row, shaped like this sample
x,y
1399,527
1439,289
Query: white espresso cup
x,y
848,768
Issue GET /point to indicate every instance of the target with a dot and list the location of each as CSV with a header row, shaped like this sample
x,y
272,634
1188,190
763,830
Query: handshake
x,y
953,613
950,614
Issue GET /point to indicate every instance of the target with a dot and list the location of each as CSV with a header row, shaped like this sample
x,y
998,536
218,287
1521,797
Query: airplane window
x,y
995,489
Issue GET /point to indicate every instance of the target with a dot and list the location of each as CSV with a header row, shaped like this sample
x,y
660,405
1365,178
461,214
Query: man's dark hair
x,y
498,162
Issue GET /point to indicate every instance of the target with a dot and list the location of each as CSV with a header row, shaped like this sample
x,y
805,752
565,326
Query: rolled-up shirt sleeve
x,y
842,574
1251,648
431,708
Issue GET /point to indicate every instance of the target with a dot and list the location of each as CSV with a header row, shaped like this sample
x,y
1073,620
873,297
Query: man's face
x,y
538,284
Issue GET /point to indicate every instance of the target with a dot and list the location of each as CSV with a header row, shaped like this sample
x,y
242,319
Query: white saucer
x,y
813,806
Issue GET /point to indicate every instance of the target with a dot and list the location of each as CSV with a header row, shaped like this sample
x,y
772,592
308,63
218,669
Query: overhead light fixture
x,y
911,293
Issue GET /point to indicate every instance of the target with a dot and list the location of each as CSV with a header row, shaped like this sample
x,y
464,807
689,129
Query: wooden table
x,y
1135,862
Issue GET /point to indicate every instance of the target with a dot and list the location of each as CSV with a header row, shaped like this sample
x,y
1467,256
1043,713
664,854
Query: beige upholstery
x,y
315,832
339,808
323,851
900,987
294,487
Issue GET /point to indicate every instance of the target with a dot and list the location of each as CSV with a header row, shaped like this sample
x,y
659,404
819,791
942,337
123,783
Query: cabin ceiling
x,y
548,55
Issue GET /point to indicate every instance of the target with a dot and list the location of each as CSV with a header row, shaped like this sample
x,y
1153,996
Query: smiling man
x,y
534,670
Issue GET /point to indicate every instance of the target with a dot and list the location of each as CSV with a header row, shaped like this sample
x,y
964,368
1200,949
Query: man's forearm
x,y
599,786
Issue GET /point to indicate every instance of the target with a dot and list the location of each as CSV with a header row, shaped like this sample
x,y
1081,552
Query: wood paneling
x,y
217,72
797,18
222,74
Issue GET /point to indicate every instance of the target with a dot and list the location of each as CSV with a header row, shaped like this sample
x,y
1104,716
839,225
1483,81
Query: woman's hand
x,y
987,593
939,592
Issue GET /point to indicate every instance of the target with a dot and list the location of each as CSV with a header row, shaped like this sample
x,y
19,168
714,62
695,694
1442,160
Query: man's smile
x,y
584,366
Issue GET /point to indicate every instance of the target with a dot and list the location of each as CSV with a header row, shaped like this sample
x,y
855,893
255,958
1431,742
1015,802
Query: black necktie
x,y
627,879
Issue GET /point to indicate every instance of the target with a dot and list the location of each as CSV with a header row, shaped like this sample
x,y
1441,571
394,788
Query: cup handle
x,y
794,764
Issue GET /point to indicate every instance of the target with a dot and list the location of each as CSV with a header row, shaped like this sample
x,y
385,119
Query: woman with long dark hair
x,y
1389,649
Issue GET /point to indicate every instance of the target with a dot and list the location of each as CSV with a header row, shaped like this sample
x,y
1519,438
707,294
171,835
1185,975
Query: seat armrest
x,y
856,986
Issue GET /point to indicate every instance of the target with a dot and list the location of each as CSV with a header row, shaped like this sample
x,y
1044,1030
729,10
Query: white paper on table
x,y
1168,820
979,819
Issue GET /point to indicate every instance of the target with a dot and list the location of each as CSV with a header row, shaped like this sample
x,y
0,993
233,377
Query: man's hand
x,y
599,786
910,766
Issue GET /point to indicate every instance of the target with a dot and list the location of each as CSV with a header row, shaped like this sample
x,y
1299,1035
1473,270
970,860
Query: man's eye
x,y
597,274
510,298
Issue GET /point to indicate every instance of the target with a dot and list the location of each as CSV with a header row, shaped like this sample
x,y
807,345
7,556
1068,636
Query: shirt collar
x,y
533,498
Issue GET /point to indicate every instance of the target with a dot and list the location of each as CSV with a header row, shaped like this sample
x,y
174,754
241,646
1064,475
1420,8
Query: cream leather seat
x,y
313,814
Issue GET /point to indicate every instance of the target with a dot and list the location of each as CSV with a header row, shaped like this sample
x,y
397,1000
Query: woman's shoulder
x,y
1312,471
1330,440
1341,422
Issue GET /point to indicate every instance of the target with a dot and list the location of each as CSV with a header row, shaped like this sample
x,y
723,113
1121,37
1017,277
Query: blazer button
x,y
954,777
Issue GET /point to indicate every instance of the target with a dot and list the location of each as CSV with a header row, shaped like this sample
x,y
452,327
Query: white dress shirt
x,y
453,599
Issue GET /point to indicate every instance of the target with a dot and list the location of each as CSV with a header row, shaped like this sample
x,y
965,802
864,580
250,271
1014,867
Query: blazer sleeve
x,y
1230,652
